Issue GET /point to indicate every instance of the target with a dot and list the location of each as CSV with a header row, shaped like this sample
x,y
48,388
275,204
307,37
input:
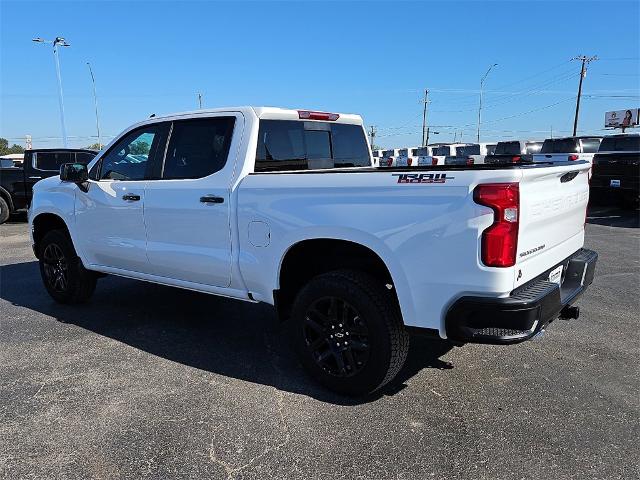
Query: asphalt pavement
x,y
146,381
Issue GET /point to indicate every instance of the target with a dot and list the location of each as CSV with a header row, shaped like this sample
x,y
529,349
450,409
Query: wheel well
x,y
310,258
44,223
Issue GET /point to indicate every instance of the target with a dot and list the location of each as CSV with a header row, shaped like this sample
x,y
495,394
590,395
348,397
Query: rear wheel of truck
x,y
347,331
64,277
4,211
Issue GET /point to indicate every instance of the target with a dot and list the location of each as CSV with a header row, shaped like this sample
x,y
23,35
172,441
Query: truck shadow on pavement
x,y
613,216
226,337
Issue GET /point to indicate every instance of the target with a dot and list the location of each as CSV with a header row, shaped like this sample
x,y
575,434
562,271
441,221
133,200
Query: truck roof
x,y
273,113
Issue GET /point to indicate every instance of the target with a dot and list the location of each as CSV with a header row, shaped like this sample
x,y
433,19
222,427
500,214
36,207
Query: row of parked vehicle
x,y
615,159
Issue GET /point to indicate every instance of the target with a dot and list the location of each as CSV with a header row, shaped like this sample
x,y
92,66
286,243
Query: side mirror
x,y
74,172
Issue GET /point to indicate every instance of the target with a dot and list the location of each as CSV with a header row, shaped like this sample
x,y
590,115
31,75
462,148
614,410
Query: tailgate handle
x,y
567,177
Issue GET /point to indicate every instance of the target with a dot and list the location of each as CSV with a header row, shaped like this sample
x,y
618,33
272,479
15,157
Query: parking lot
x,y
149,381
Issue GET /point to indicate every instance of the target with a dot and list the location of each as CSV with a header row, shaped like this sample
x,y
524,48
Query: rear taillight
x,y
500,240
434,161
515,159
309,115
389,162
409,161
573,157
470,161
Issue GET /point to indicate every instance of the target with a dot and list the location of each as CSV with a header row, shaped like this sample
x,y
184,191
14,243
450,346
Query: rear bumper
x,y
527,311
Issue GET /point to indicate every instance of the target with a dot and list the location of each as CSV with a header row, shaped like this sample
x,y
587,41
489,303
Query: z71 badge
x,y
422,177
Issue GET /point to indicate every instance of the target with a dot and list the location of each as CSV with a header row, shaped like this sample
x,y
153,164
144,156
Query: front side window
x,y
199,147
300,145
130,158
51,161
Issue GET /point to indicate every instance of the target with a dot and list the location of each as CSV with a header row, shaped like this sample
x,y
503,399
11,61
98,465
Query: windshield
x,y
560,145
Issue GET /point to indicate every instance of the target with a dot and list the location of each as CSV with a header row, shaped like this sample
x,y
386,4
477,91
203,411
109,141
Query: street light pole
x,y
59,41
481,91
95,102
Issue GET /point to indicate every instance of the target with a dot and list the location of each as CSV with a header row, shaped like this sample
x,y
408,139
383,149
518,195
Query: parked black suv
x,y
616,168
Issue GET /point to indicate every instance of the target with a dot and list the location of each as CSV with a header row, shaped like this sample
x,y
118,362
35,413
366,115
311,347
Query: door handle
x,y
211,199
34,178
130,197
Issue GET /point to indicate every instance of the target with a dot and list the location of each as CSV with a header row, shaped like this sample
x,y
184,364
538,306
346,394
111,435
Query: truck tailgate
x,y
553,204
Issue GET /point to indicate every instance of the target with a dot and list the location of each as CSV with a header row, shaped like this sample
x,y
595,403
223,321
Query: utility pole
x,y
372,135
200,100
481,91
95,102
59,41
424,117
583,73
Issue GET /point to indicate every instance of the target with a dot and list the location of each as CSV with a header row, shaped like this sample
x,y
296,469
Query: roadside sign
x,y
622,118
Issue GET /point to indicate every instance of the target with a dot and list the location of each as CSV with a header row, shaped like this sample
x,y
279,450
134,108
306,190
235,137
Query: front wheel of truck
x,y
4,211
347,331
63,274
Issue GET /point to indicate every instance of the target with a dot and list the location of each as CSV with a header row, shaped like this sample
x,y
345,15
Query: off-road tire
x,y
80,283
371,304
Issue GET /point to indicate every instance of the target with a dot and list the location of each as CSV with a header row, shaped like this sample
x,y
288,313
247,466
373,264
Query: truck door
x,y
109,214
187,209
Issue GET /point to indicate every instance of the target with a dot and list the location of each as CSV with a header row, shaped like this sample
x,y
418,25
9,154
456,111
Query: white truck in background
x,y
284,207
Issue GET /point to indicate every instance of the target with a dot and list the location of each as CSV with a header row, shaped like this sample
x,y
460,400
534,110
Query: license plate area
x,y
555,275
614,183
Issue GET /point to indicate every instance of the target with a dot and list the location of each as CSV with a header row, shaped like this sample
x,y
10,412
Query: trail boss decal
x,y
422,177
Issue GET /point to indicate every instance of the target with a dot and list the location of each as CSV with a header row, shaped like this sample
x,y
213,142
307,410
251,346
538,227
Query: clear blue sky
x,y
372,58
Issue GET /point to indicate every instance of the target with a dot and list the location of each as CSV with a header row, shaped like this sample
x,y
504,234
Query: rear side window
x,y
620,144
508,148
198,148
51,161
533,147
560,145
590,145
468,150
300,145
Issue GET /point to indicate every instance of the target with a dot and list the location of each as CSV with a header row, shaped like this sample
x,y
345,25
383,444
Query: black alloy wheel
x,y
336,336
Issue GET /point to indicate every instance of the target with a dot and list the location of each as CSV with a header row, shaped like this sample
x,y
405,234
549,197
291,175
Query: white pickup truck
x,y
284,207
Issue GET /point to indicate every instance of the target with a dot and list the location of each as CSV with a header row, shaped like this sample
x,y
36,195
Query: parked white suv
x,y
470,154
283,207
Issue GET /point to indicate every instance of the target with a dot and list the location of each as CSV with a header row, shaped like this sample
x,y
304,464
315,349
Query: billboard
x,y
622,118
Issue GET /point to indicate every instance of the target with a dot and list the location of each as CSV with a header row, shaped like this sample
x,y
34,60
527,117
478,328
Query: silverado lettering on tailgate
x,y
422,177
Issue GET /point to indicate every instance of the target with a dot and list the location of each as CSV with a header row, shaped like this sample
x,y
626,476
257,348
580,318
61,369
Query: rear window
x,y
300,145
403,152
51,161
491,148
442,150
468,150
421,152
388,153
508,148
533,147
560,145
590,145
620,144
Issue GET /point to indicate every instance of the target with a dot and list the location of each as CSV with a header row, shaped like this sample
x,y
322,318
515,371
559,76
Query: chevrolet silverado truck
x,y
284,207
16,183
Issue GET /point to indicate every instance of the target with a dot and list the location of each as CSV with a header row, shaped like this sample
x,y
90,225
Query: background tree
x,y
95,146
5,149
